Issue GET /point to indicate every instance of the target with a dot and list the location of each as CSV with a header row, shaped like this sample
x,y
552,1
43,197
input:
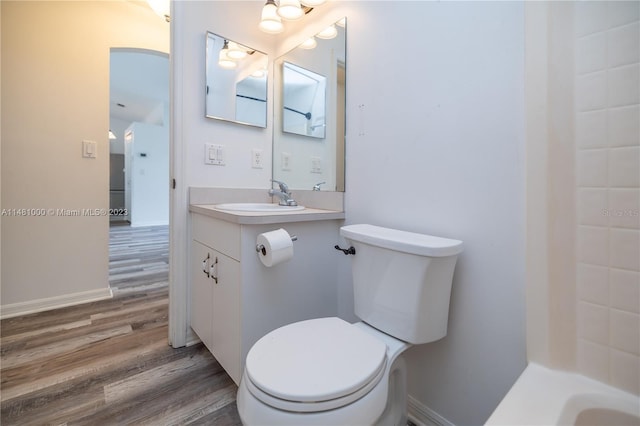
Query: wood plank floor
x,y
108,362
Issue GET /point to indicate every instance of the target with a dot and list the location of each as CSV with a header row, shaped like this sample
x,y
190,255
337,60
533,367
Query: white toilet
x,y
327,371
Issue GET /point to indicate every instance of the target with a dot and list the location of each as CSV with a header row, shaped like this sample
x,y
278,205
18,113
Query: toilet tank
x,y
402,280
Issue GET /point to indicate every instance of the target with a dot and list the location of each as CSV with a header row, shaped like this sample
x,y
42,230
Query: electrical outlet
x,y
256,158
286,161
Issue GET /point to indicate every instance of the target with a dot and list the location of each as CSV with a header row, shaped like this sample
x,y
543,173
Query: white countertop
x,y
259,218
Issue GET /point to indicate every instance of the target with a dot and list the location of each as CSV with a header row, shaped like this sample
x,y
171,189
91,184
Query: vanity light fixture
x,y
274,11
328,33
290,10
223,59
271,22
309,43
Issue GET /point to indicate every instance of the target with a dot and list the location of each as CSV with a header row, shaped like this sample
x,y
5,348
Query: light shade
x,y
236,51
309,43
327,33
290,10
270,22
312,3
112,135
223,60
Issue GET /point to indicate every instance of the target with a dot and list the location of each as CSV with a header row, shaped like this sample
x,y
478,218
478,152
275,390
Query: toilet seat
x,y
314,365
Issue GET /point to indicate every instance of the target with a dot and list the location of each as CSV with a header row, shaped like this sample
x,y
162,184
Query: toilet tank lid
x,y
408,242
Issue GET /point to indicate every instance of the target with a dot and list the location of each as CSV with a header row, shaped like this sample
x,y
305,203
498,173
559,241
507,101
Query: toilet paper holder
x,y
260,247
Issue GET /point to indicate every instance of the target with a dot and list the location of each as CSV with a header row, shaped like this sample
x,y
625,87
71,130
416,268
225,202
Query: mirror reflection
x,y
303,110
236,82
309,112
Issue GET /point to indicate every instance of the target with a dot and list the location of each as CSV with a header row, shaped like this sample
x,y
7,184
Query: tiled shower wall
x,y
607,97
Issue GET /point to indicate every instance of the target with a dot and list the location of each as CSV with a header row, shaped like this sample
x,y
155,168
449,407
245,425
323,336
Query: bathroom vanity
x,y
235,299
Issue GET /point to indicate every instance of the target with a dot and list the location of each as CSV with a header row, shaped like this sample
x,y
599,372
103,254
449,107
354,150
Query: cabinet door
x,y
202,293
226,314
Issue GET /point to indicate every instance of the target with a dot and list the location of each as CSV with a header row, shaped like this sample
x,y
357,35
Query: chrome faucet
x,y
284,194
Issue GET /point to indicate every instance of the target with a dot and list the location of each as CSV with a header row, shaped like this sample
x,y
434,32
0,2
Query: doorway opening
x,y
139,169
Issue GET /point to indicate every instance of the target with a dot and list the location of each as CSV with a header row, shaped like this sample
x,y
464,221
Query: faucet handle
x,y
283,186
316,187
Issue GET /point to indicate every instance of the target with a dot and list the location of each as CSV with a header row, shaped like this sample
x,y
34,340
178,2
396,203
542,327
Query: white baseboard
x,y
422,415
144,224
40,305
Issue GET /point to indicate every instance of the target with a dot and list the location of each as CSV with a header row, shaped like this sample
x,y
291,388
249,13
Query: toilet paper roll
x,y
277,247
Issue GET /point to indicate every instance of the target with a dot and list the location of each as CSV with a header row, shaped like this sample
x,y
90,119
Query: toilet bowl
x,y
326,371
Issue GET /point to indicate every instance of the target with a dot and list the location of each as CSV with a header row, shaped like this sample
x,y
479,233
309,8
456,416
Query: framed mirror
x,y
304,99
236,82
309,112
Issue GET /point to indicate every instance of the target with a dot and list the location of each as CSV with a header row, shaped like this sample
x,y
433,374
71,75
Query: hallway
x,y
109,362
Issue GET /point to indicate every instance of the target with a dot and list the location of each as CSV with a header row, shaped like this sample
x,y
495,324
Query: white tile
x,y
593,322
624,208
625,290
593,360
625,331
623,86
623,12
592,206
593,245
591,53
625,371
624,249
591,129
593,284
592,167
590,17
624,167
591,91
623,45
623,126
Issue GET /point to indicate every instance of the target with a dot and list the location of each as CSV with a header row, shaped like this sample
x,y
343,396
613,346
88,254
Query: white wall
x,y
438,147
55,94
235,21
149,174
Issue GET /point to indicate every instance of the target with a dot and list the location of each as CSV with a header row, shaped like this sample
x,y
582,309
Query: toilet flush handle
x,y
350,250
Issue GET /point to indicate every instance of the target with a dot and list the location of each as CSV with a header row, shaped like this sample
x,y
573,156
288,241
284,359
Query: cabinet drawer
x,y
217,234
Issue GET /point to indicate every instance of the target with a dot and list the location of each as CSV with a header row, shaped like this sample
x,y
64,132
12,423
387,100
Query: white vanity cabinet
x,y
215,292
249,299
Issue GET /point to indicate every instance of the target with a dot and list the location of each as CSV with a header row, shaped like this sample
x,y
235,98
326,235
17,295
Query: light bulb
x,y
312,3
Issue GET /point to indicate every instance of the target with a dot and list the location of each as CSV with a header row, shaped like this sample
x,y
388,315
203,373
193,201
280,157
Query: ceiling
x,y
139,90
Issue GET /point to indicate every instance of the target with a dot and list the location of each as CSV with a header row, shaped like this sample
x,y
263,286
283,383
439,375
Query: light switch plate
x,y
214,154
89,149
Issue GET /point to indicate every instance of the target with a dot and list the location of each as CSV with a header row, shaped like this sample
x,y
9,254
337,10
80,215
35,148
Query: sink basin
x,y
257,207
